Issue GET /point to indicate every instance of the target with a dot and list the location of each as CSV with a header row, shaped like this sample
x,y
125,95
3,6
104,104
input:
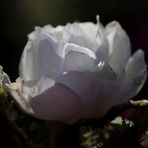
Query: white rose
x,y
78,71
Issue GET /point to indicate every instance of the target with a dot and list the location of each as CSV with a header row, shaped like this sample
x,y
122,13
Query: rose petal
x,y
78,82
106,72
130,89
80,69
37,55
134,66
56,32
122,94
90,32
102,45
119,46
135,74
94,93
100,98
49,100
73,33
79,58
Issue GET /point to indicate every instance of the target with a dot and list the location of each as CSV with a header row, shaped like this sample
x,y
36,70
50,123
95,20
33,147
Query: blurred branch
x,y
14,132
128,133
116,111
19,126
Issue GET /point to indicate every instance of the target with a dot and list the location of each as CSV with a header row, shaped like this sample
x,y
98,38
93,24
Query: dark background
x,y
18,18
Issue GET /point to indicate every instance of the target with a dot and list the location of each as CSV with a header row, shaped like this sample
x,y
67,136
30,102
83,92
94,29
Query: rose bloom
x,y
77,71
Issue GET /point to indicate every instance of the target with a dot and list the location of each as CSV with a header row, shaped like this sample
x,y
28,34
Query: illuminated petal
x,y
78,58
102,45
73,33
119,46
135,73
37,55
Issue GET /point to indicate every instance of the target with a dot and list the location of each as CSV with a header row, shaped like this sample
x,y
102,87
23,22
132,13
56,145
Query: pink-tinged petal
x,y
95,93
119,46
120,95
49,100
42,56
78,82
78,58
100,98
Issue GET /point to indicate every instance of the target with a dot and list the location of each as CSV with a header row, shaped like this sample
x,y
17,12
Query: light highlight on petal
x,y
78,58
